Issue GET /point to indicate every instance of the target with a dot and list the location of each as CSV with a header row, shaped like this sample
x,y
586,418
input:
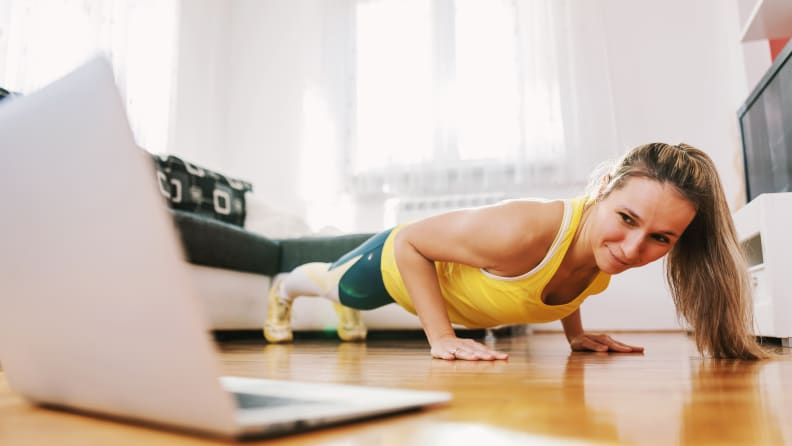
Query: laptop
x,y
97,313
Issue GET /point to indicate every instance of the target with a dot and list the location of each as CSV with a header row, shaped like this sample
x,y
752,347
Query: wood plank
x,y
668,395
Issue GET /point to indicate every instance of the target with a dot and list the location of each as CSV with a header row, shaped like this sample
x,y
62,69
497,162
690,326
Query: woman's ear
x,y
604,181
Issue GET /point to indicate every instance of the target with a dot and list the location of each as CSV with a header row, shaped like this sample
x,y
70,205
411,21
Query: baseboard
x,y
671,331
236,335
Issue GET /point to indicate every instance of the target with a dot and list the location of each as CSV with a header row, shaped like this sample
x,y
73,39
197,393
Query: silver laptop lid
x,y
96,312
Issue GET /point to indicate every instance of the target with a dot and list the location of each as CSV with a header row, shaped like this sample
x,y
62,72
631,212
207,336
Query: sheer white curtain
x,y
450,90
41,40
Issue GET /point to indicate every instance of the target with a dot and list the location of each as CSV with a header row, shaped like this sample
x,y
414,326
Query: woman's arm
x,y
579,340
424,291
489,238
573,327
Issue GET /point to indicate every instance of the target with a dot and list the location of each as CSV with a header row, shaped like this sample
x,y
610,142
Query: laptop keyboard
x,y
253,401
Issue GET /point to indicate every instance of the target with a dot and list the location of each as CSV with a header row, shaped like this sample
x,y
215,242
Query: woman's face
x,y
638,224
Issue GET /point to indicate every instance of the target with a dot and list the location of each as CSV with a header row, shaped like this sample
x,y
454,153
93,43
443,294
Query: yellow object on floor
x,y
277,327
350,324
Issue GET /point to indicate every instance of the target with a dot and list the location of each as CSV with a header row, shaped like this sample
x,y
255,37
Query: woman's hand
x,y
601,343
451,347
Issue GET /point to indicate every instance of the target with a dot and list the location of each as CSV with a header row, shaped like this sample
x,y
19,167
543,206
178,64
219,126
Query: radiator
x,y
405,209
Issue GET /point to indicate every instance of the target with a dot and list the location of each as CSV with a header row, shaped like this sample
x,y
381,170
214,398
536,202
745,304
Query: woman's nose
x,y
631,246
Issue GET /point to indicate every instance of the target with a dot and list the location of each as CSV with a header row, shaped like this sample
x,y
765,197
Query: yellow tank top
x,y
476,298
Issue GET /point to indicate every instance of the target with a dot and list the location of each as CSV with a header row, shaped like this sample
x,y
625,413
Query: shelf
x,y
763,231
755,268
752,246
770,19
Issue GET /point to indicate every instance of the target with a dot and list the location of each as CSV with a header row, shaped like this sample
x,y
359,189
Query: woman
x,y
529,261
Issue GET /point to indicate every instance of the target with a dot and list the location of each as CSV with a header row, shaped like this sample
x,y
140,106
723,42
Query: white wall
x,y
245,70
199,112
756,53
273,48
677,73
677,76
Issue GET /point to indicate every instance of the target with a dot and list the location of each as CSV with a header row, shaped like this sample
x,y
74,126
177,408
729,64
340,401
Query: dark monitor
x,y
766,128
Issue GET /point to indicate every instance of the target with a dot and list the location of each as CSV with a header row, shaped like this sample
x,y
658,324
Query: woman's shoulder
x,y
536,213
523,231
531,223
507,226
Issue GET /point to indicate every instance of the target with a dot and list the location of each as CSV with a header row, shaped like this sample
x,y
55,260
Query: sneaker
x,y
277,327
350,324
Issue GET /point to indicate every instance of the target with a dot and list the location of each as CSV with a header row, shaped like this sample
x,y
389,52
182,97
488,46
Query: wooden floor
x,y
543,393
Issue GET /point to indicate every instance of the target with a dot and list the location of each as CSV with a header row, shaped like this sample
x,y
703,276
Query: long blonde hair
x,y
706,269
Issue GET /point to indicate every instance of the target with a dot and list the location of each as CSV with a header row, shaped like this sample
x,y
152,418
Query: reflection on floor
x,y
668,395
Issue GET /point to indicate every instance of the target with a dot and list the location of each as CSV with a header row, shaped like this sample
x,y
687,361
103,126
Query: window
x,y
43,40
447,86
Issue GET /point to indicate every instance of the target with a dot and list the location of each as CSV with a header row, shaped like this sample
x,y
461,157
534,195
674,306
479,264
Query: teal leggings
x,y
361,287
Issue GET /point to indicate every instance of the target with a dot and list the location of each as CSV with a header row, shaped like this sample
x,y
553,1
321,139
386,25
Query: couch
x,y
233,261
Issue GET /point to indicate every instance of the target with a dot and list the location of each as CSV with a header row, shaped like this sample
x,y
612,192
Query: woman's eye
x,y
626,218
661,238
